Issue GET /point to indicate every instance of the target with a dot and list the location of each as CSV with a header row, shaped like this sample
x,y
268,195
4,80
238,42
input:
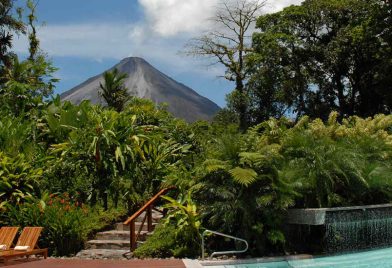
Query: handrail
x,y
145,207
148,208
222,252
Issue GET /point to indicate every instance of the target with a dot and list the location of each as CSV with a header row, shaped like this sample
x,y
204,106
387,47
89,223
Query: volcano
x,y
145,81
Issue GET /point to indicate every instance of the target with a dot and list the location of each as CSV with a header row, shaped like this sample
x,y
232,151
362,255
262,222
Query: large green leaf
x,y
243,176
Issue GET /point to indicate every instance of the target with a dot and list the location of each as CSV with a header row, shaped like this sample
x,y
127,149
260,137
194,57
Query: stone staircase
x,y
115,243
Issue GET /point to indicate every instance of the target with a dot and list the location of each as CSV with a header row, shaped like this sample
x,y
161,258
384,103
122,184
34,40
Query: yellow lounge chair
x,y
27,239
7,236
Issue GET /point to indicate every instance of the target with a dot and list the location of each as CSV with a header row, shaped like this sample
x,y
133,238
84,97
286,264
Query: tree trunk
x,y
105,200
93,200
242,105
342,99
116,198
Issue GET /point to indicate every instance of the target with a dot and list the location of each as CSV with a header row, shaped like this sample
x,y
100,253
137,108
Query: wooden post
x,y
133,235
149,218
147,208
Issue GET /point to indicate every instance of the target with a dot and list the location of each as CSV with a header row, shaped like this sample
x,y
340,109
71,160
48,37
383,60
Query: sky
x,y
84,38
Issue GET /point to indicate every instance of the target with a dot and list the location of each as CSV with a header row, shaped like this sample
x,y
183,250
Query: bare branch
x,y
229,43
230,40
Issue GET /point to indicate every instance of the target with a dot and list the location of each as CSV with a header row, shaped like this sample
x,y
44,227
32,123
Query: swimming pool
x,y
381,258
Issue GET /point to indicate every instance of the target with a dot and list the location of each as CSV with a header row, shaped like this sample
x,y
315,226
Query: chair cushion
x,y
22,248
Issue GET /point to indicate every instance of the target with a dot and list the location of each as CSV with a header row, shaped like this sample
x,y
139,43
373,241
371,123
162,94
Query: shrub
x,y
159,245
248,182
179,235
67,223
18,178
167,242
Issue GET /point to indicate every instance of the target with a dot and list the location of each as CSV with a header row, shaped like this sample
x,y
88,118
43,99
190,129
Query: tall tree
x,y
113,89
325,55
24,84
228,44
33,39
9,25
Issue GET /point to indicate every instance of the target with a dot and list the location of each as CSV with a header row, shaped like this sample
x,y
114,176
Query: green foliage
x,y
319,57
19,180
32,35
310,59
315,150
162,244
26,84
100,156
183,212
67,222
225,117
16,135
113,89
246,183
9,25
228,43
23,84
179,235
111,156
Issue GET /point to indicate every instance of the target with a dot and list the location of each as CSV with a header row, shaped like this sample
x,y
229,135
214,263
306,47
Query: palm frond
x,y
212,165
243,176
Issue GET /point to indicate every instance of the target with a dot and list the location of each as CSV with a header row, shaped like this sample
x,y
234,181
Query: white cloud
x,y
84,40
114,41
277,5
171,17
168,24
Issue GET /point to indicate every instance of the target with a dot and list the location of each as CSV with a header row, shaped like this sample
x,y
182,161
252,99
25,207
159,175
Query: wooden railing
x,y
148,207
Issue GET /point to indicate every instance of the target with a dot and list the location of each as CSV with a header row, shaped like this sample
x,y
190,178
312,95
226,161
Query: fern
x,y
243,176
212,165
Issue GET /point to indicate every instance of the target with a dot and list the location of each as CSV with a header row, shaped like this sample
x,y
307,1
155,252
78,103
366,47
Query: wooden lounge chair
x,y
7,236
28,237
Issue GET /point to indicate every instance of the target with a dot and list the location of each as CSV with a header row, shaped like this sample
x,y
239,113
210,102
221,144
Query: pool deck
x,y
64,263
216,263
136,263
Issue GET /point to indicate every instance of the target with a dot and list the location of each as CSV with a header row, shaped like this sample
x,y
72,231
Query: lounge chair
x,y
7,236
26,245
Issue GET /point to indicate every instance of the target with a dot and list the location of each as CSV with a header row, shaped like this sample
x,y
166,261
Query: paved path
x,y
59,263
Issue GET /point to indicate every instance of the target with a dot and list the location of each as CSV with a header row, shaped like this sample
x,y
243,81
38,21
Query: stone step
x,y
114,240
122,227
102,254
114,243
120,235
156,217
108,244
113,235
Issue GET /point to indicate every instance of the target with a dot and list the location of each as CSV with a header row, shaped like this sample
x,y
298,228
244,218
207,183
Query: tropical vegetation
x,y
312,128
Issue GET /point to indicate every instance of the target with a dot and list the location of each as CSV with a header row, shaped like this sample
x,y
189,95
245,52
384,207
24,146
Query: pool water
x,y
381,258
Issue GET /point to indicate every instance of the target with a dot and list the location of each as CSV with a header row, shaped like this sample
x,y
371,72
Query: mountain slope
x,y
144,81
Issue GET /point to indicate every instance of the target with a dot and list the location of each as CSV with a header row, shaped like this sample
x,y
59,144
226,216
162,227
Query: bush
x,y
18,179
167,242
248,181
67,223
179,236
158,245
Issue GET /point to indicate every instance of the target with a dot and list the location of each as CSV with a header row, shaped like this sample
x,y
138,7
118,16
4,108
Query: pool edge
x,y
253,260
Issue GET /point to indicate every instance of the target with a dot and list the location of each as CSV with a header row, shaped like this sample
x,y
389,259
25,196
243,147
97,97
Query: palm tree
x,y
113,89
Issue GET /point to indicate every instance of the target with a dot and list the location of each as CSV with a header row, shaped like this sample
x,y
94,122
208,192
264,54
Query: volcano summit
x,y
144,81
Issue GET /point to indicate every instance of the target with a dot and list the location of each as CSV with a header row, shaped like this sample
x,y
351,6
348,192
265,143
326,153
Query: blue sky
x,y
85,37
